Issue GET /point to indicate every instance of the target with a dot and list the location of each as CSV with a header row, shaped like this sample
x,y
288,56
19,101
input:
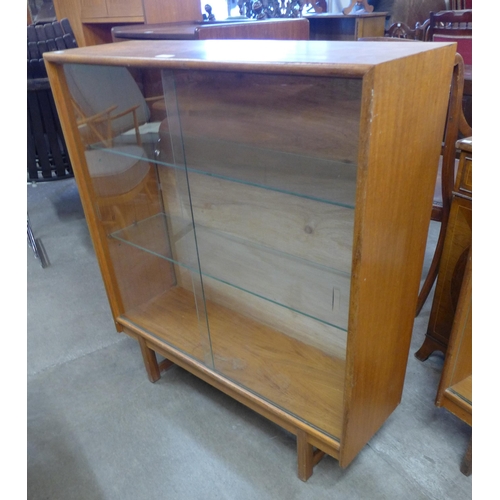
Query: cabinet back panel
x,y
308,116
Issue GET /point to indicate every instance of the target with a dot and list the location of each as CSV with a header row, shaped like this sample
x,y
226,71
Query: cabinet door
x,y
124,8
141,222
272,182
93,8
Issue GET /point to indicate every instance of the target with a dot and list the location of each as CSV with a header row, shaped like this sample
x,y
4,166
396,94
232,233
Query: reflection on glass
x,y
119,126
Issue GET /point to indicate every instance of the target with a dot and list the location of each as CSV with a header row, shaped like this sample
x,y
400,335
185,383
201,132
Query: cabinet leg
x,y
428,347
165,365
307,457
466,465
150,361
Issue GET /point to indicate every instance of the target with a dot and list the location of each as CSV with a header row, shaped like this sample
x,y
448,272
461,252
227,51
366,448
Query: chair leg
x,y
466,465
37,247
426,288
429,346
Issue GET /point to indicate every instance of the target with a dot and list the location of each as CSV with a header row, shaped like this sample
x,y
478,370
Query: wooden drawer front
x,y
464,177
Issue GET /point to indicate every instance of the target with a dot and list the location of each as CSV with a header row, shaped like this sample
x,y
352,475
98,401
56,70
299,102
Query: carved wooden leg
x,y
466,465
150,361
428,346
307,457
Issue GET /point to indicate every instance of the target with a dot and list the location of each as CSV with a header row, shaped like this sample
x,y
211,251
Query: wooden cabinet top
x,y
343,16
188,30
349,59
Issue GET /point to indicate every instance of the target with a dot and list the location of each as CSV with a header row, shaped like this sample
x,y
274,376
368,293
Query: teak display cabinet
x,y
264,221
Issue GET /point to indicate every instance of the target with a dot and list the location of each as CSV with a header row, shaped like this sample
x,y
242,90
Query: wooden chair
x,y
455,128
448,26
115,126
460,4
404,32
47,155
451,26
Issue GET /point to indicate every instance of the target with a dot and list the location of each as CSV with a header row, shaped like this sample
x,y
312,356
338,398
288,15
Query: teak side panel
x,y
398,160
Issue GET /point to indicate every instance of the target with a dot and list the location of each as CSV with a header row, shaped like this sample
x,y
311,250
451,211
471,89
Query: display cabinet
x,y
259,211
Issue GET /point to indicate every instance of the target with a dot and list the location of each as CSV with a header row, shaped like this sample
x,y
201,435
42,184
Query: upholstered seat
x,y
118,170
127,120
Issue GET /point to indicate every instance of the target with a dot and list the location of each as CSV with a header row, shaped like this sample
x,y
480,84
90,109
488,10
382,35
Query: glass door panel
x,y
272,189
144,212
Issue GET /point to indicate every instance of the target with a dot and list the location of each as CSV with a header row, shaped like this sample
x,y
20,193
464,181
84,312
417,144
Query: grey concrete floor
x,y
97,429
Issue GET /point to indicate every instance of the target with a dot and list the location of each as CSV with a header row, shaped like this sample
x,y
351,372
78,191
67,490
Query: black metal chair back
x,y
47,154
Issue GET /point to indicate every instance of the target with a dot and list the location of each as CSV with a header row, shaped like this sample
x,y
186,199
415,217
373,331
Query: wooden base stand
x,y
307,456
153,368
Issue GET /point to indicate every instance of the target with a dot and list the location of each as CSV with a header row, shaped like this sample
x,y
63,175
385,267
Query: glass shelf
x,y
317,179
310,289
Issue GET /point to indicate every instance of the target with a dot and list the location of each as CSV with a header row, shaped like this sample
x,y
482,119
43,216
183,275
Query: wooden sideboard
x,y
457,244
455,387
274,29
262,234
451,316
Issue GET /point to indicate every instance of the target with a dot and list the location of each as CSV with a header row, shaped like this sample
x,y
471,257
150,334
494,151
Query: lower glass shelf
x,y
304,287
294,376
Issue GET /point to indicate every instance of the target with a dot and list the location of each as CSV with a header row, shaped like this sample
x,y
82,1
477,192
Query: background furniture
x,y
408,12
446,175
278,252
456,247
403,31
454,127
345,27
278,29
92,20
450,324
455,387
451,25
47,155
456,26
